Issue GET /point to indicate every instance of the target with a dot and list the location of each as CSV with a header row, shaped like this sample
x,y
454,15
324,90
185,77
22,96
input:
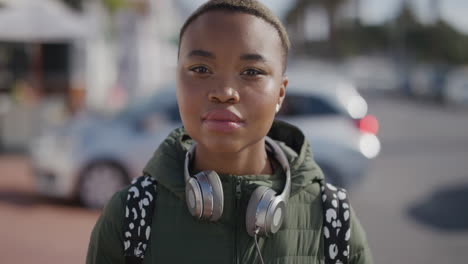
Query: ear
x,y
282,91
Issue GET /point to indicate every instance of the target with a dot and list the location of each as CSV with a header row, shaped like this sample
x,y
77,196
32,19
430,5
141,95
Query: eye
x,y
200,69
252,72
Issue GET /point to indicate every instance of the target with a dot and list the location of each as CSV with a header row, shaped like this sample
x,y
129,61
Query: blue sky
x,y
378,11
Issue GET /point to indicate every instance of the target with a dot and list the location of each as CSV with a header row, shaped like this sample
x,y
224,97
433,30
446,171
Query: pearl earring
x,y
277,108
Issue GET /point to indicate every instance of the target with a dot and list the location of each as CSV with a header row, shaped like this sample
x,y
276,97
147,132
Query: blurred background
x,y
379,87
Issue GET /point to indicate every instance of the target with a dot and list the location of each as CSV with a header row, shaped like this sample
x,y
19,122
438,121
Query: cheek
x,y
264,98
188,100
189,87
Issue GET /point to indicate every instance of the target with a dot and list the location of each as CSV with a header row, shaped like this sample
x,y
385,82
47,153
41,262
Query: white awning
x,y
40,21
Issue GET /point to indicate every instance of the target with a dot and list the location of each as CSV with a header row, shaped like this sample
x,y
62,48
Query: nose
x,y
224,94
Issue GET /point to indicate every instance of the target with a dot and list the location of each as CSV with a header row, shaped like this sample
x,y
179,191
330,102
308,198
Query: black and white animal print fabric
x,y
336,219
138,217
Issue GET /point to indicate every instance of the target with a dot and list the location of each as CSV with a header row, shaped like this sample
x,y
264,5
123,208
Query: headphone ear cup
x,y
257,208
206,194
275,215
193,196
218,195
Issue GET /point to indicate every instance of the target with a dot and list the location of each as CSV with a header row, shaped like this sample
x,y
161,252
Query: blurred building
x,y
131,51
111,53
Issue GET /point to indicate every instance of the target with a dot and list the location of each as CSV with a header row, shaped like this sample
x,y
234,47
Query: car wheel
x,y
332,176
99,182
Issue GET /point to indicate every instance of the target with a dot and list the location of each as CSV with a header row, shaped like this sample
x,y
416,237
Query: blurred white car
x,y
372,73
90,159
334,117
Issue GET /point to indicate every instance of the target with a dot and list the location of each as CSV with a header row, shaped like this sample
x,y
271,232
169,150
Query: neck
x,y
252,160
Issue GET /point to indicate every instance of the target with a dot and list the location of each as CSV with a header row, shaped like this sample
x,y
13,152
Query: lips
x,y
222,115
222,120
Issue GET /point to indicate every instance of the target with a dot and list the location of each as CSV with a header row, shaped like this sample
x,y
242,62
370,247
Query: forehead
x,y
231,31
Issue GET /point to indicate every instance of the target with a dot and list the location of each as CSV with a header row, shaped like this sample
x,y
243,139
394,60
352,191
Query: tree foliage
x,y
114,5
299,11
111,5
439,42
75,4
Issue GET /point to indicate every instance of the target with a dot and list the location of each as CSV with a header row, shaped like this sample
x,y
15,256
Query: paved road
x,y
413,204
35,229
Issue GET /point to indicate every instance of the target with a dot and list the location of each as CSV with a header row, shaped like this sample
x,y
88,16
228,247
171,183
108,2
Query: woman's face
x,y
229,80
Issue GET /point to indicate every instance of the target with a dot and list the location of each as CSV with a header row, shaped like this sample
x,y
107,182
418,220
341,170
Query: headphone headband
x,y
266,208
283,160
188,158
271,146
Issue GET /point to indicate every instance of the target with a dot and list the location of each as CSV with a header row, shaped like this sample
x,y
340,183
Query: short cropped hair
x,y
252,7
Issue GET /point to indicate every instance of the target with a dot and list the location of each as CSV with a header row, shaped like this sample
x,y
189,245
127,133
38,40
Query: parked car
x,y
456,89
92,159
333,116
373,74
426,81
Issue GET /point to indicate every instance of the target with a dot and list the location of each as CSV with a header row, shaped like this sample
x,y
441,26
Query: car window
x,y
164,103
298,105
172,112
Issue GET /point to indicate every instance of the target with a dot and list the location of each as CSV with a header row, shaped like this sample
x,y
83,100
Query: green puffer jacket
x,y
176,237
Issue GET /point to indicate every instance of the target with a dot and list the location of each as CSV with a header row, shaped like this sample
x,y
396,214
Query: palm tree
x,y
331,7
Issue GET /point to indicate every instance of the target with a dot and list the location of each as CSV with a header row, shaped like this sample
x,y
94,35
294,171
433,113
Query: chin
x,y
221,144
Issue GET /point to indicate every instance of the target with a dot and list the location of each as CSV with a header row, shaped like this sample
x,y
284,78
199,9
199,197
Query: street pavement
x,y
413,203
35,229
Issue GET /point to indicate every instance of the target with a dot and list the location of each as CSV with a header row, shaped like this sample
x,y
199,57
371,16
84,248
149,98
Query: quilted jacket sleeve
x,y
106,244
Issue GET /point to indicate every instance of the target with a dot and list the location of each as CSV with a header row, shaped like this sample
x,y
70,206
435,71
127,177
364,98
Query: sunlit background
x,y
379,87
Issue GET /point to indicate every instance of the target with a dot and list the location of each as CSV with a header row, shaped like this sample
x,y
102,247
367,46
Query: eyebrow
x,y
210,55
252,57
201,53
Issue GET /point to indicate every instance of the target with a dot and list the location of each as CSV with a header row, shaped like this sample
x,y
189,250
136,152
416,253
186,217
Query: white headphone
x,y
265,210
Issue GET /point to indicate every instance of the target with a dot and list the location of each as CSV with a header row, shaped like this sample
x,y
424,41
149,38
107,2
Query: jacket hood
x,y
167,163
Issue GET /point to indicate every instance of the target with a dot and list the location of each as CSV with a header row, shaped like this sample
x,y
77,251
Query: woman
x,y
222,184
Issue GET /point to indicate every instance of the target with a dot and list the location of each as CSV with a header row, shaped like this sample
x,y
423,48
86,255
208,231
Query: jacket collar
x,y
167,163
